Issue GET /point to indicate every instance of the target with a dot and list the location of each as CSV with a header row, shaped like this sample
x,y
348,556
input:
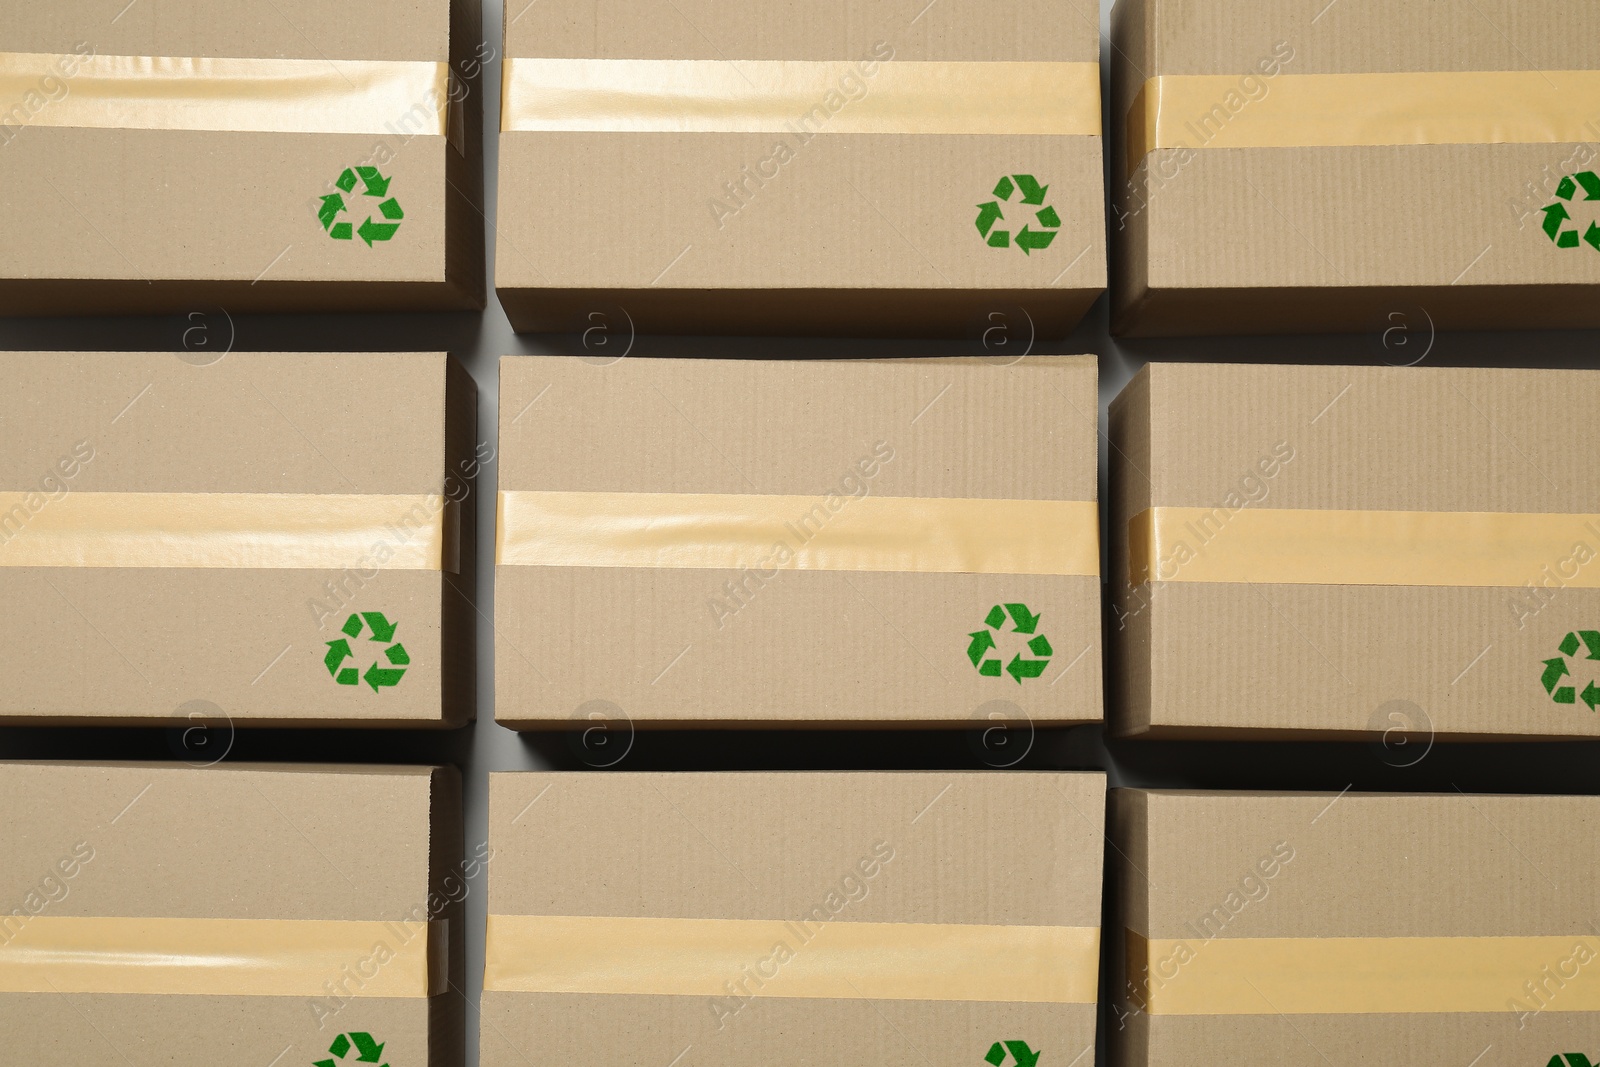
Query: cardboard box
x,y
1336,551
157,914
265,540
838,167
754,543
929,919
1353,928
1296,168
192,154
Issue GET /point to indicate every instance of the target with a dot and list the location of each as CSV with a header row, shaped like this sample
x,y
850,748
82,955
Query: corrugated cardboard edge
x,y
458,624
1128,622
447,1016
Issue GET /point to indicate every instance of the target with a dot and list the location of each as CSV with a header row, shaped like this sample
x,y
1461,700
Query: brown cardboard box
x,y
135,196
158,915
743,542
799,168
905,919
1351,928
181,541
1408,552
1257,219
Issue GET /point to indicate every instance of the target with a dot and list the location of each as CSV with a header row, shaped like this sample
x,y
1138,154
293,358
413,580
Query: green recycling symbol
x,y
1557,669
1556,215
983,642
990,213
373,184
1021,1054
382,632
366,1049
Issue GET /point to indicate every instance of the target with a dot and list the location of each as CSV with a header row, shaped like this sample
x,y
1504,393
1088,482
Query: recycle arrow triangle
x,y
338,652
1025,1056
1554,671
370,1051
382,628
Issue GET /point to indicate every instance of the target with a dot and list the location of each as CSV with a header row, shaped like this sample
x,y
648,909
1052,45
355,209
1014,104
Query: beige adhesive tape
x,y
1279,546
801,98
1202,111
771,533
1357,975
226,95
224,530
799,959
221,957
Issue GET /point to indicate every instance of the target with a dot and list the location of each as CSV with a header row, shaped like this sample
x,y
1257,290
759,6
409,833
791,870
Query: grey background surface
x,y
480,339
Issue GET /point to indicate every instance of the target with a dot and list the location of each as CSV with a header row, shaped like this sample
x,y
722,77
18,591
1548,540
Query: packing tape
x,y
1358,975
795,959
293,531
1280,546
227,95
799,97
222,957
1361,110
769,533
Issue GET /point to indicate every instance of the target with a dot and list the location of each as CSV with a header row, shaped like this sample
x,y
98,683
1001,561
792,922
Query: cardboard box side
x,y
793,312
1132,609
1127,813
464,457
1127,889
449,882
66,297
1133,56
1198,310
466,263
